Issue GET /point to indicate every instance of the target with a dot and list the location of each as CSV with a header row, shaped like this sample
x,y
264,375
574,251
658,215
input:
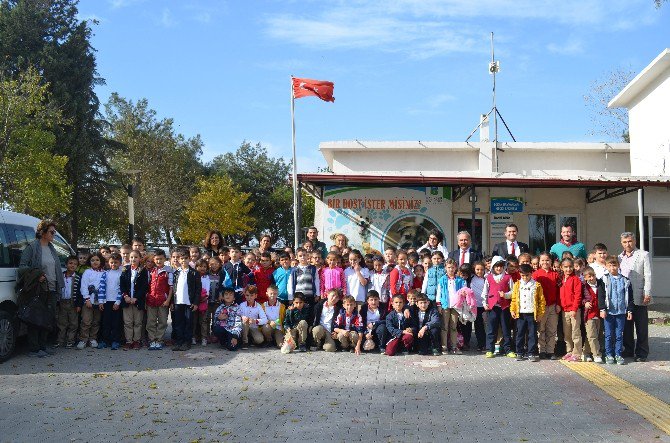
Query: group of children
x,y
403,301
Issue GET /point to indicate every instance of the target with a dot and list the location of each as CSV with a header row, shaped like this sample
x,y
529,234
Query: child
x,y
379,282
193,255
466,305
253,317
578,265
275,313
526,308
227,325
417,282
68,310
307,246
447,287
496,295
325,317
600,255
296,321
218,279
199,320
304,279
187,293
369,260
316,259
263,276
433,275
535,263
374,318
281,276
134,288
427,322
174,260
616,306
571,299
158,301
344,260
239,273
250,260
549,279
357,277
82,258
476,283
109,297
593,290
513,268
400,277
412,259
349,326
525,259
400,328
426,263
390,258
125,255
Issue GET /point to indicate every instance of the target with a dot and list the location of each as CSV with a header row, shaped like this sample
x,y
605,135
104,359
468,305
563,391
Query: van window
x,y
22,236
62,249
4,250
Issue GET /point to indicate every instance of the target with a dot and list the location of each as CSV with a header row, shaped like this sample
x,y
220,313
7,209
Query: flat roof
x,y
659,65
504,180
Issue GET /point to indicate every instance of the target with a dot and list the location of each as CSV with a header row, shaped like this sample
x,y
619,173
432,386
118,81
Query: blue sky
x,y
403,69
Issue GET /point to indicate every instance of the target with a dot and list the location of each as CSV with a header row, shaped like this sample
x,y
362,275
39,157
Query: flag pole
x,y
295,174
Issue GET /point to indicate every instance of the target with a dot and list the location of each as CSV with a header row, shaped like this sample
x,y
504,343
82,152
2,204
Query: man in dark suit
x,y
510,246
464,254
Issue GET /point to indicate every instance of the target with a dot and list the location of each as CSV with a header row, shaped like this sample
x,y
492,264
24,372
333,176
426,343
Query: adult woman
x,y
435,243
265,243
340,240
213,243
41,255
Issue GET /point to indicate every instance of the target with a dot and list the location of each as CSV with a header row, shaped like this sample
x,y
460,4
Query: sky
x,y
403,69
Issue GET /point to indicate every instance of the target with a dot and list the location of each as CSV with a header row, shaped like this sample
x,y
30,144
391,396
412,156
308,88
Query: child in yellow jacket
x,y
527,308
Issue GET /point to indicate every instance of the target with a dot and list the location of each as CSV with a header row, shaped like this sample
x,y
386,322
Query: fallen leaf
x,y
153,386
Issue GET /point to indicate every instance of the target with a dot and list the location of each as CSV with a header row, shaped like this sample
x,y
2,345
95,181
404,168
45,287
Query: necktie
x,y
513,251
462,257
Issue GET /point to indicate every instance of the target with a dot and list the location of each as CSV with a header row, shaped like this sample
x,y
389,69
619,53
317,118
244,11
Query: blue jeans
x,y
499,317
614,325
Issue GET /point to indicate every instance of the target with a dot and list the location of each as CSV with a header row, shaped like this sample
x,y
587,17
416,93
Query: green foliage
x,y
32,180
169,165
220,205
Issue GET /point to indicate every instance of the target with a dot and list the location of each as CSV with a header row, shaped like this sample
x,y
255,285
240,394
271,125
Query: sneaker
x,y
302,348
69,345
94,343
405,353
597,359
573,359
42,353
136,345
436,352
81,345
186,347
127,346
382,350
610,360
152,346
511,354
177,348
203,342
620,360
520,357
193,342
490,354
115,345
640,359
458,351
533,358
543,355
158,346
57,345
101,345
48,351
567,356
481,349
554,357
245,346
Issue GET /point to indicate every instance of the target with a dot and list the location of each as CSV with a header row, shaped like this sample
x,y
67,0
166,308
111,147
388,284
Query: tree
x,y
219,204
610,122
48,35
659,3
169,165
32,180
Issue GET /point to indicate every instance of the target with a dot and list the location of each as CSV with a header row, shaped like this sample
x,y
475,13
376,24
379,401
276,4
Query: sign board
x,y
503,205
498,224
373,218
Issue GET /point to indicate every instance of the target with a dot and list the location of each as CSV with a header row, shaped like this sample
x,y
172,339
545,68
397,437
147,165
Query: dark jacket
x,y
31,257
194,283
318,309
240,274
364,314
140,286
29,286
501,249
396,323
75,296
431,319
293,316
474,256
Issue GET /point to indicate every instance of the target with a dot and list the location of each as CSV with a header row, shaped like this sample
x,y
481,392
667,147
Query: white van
x,y
16,231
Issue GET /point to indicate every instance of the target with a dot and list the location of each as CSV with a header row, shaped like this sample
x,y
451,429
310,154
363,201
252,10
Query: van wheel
x,y
7,335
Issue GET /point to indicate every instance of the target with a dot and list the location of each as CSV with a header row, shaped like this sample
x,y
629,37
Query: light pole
x,y
131,203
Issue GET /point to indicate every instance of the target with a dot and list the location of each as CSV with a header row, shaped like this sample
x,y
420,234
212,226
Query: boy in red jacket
x,y
158,300
571,300
548,324
592,288
263,276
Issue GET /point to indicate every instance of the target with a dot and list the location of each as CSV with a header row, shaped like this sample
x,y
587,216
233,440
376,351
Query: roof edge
x,y
646,76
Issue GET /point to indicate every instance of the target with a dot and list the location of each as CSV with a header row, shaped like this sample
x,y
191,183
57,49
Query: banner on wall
x,y
374,218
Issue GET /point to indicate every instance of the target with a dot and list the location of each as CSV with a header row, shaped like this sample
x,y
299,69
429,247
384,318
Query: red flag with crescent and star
x,y
304,87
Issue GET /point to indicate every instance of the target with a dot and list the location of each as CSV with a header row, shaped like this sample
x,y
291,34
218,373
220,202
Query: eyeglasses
x,y
52,231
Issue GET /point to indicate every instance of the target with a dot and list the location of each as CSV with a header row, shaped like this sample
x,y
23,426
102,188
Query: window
x,y
632,225
4,250
541,232
660,231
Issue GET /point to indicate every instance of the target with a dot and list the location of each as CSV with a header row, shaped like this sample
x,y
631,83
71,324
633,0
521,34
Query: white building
x,y
393,192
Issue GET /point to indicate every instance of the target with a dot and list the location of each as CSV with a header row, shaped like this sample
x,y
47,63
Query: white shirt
x,y
133,276
326,319
91,277
516,248
272,312
67,290
373,316
181,291
477,286
599,269
422,315
254,312
354,286
466,259
206,284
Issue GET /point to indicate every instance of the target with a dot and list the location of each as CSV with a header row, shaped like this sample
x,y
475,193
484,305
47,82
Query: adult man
x,y
464,253
636,266
312,235
568,243
510,246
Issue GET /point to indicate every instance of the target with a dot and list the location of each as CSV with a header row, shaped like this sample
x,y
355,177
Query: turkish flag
x,y
304,87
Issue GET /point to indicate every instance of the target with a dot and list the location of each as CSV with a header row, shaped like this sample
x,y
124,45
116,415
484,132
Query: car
x,y
16,231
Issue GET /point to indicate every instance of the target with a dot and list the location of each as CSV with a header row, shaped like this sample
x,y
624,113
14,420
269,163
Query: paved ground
x,y
261,395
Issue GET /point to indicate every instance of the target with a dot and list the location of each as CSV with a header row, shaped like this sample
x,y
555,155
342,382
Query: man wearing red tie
x,y
510,246
464,254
